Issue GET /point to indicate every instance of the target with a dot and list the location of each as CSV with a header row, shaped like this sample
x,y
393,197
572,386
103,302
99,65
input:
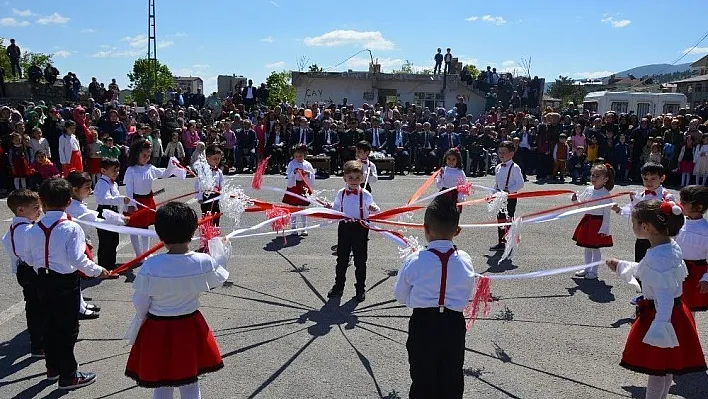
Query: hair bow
x,y
669,207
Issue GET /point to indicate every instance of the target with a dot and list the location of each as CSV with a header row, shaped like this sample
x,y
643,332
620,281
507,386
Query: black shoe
x,y
360,296
498,247
37,354
89,316
93,308
77,381
336,291
52,375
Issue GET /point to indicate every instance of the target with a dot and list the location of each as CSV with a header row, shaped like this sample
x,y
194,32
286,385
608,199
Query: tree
x,y
471,70
567,90
406,67
26,59
141,80
315,68
280,88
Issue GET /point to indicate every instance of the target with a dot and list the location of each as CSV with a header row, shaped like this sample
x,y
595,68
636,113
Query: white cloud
x,y
490,19
13,22
508,64
54,19
22,13
62,54
165,43
180,34
136,41
268,39
88,30
471,19
696,51
276,65
468,61
592,75
114,52
616,23
371,40
362,63
200,66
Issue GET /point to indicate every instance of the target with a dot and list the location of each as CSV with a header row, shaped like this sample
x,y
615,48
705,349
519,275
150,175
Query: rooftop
x,y
363,75
187,78
699,78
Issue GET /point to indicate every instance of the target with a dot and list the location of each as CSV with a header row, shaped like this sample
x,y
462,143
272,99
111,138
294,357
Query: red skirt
x,y
647,359
587,233
686,166
144,216
299,188
93,165
173,351
21,166
692,297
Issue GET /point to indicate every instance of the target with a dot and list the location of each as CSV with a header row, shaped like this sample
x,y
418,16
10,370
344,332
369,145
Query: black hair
x,y
213,149
508,145
455,153
175,223
609,171
107,163
665,222
653,168
55,192
21,197
137,147
78,179
694,195
301,148
364,146
69,123
442,216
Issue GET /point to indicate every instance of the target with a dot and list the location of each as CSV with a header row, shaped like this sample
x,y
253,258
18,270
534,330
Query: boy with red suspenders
x,y
437,283
58,262
507,177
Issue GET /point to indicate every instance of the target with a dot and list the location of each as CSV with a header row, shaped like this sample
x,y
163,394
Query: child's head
x,y
156,133
40,157
704,139
579,150
110,168
175,223
213,155
506,150
139,153
200,147
694,200
80,185
69,127
16,139
353,173
453,159
24,203
622,138
36,133
363,148
602,175
175,137
55,194
442,219
654,217
108,141
655,147
300,152
562,138
653,175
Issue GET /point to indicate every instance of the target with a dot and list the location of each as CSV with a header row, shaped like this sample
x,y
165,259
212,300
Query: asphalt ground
x,y
554,337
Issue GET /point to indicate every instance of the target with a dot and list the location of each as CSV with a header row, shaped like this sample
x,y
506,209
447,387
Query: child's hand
x,y
126,201
703,285
104,273
612,264
574,198
631,196
374,208
616,208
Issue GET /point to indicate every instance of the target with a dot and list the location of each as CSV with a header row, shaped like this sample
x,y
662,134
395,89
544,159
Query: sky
x,y
253,38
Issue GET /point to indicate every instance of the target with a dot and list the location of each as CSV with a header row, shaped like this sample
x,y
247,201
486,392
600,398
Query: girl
x,y
655,154
451,175
686,161
593,231
297,185
693,240
190,138
157,152
43,169
70,150
578,138
93,148
38,143
17,156
700,156
663,340
593,149
175,148
230,143
198,152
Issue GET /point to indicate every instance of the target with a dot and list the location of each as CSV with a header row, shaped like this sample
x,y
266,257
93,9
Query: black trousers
x,y
401,160
504,217
427,160
641,246
29,281
212,207
60,296
107,242
352,237
436,353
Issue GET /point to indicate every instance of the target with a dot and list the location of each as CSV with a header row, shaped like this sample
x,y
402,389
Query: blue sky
x,y
209,38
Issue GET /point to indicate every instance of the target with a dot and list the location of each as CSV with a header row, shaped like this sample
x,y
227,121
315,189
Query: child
x,y
655,154
686,161
157,152
297,185
43,169
70,150
172,343
24,204
578,167
363,149
437,283
108,197
352,236
198,152
693,240
593,231
560,156
57,260
663,340
508,178
109,150
38,143
213,157
175,148
230,144
19,164
593,149
451,175
700,156
621,158
93,148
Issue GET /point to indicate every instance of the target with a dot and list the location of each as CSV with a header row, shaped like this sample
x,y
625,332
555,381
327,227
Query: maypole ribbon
x,y
525,194
423,188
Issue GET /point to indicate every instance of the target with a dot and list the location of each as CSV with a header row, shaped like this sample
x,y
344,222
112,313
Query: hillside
x,y
655,69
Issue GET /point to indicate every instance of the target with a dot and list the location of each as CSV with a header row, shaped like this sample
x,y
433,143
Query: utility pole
x,y
152,47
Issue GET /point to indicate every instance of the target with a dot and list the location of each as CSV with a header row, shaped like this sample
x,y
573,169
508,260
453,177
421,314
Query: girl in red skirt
x,y
663,340
172,343
19,163
593,231
70,150
693,240
299,168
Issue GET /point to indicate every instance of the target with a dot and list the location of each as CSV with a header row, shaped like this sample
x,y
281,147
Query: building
x,y
191,83
695,88
700,67
225,84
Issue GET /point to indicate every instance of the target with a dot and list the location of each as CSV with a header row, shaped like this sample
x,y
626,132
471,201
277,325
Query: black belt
x,y
594,216
181,316
700,262
150,194
646,304
435,310
113,208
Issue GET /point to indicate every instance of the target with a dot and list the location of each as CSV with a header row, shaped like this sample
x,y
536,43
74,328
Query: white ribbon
x,y
541,273
134,231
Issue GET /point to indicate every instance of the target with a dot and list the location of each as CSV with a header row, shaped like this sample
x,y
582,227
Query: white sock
x,y
135,241
82,303
293,222
145,245
23,182
190,391
163,393
17,183
303,221
668,381
658,386
596,257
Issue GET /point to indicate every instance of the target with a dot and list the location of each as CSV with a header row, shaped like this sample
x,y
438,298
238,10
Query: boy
x,y
108,197
213,155
578,167
436,330
356,203
363,149
108,150
507,177
24,204
57,262
560,156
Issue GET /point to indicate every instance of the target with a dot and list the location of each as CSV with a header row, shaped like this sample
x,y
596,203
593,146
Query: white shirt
x,y
370,175
349,204
693,240
249,92
22,245
39,145
107,194
591,194
218,178
294,177
661,272
138,179
511,171
67,145
79,210
451,177
661,194
524,140
418,281
399,139
67,246
375,137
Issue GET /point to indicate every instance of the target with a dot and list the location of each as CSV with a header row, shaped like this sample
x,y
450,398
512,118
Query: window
x,y
429,100
671,108
642,109
619,106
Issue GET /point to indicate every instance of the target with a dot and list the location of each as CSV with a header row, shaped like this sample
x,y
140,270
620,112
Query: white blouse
x,y
451,177
693,240
591,194
67,145
294,177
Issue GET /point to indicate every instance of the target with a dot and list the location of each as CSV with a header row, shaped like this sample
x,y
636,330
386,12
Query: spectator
x,y
35,73
50,74
262,94
93,88
14,54
249,96
448,61
438,62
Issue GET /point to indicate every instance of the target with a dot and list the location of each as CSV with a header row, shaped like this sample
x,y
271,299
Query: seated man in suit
x,y
348,140
247,142
398,147
302,135
326,142
376,136
428,159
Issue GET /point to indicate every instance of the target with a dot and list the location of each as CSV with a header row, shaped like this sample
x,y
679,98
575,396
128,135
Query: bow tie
x,y
214,168
647,192
503,165
364,161
351,192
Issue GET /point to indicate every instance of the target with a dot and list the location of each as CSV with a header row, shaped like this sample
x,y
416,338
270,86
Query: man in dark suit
x,y
326,143
397,146
428,159
302,135
376,136
448,139
246,142
249,96
348,141
527,145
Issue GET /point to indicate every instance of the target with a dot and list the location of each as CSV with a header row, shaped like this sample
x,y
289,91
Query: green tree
x,y
472,70
315,68
280,88
567,90
26,59
406,67
143,83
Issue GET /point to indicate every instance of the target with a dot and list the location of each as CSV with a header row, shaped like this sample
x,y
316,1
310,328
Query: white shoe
x,y
590,276
304,233
580,273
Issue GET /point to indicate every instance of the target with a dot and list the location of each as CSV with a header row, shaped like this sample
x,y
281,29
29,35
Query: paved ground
x,y
550,338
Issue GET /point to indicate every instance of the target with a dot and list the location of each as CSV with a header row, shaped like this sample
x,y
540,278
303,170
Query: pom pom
x,y
413,247
203,170
257,181
207,232
463,186
668,207
174,168
282,221
234,202
498,203
513,238
677,210
480,301
113,217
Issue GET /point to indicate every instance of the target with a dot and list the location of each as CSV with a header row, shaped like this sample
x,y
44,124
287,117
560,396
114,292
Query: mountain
x,y
655,69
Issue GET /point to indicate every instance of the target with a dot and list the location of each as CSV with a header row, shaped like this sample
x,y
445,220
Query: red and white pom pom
x,y
234,202
220,250
203,170
464,187
412,247
283,218
208,231
480,301
257,181
513,238
498,203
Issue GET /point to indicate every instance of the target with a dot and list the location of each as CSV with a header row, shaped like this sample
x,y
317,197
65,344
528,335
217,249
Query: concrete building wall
x,y
226,83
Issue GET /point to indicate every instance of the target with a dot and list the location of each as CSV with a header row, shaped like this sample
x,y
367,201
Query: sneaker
x,y
52,375
580,273
93,308
89,315
498,247
38,354
304,233
590,276
360,296
336,291
77,381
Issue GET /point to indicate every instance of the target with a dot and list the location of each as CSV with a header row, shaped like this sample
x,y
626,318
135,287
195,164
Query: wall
x,y
23,90
332,90
226,83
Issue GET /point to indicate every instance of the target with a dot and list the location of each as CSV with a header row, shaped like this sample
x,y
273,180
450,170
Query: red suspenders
x,y
12,236
47,233
444,258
